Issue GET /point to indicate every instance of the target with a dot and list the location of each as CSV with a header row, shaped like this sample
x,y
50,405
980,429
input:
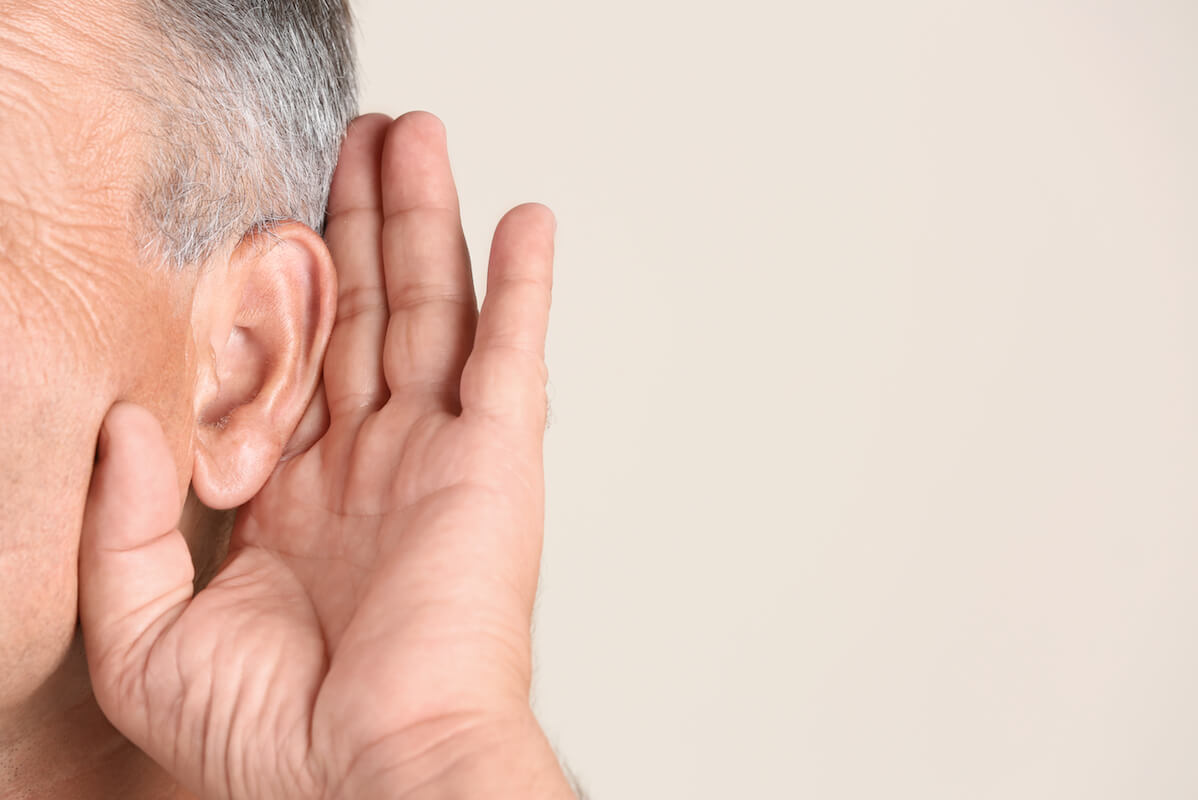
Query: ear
x,y
268,319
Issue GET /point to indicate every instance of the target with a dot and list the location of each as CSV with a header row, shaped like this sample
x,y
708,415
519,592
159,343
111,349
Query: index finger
x,y
353,373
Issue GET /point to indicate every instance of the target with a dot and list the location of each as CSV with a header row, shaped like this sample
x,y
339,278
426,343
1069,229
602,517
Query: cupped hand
x,y
369,631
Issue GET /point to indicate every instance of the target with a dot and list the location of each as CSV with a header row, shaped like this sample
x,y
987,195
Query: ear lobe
x,y
278,310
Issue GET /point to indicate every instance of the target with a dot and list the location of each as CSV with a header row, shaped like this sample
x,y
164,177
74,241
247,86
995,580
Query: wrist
x,y
450,759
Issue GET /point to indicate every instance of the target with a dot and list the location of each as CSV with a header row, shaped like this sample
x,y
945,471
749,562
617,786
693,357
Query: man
x,y
165,307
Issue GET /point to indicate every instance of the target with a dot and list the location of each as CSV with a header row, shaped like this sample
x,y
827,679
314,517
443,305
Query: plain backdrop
x,y
874,358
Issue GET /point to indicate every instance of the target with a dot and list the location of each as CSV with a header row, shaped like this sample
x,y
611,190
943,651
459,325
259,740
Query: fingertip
x,y
135,469
127,421
417,139
535,213
366,127
366,133
524,244
425,123
355,178
369,121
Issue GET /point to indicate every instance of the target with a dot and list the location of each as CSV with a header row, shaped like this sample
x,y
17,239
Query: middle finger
x,y
433,310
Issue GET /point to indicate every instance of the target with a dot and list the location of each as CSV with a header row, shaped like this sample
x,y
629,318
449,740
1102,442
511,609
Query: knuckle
x,y
357,301
411,298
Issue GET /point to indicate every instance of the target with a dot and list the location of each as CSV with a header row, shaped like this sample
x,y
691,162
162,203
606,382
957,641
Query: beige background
x,y
875,382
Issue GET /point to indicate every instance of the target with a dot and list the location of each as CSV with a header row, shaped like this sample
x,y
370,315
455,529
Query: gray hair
x,y
248,103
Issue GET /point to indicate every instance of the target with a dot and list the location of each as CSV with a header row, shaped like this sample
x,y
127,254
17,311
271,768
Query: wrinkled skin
x,y
80,326
379,589
368,634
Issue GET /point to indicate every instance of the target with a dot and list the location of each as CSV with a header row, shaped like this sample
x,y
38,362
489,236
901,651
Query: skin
x,y
368,633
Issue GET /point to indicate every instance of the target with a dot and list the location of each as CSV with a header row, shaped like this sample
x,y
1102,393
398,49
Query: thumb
x,y
135,571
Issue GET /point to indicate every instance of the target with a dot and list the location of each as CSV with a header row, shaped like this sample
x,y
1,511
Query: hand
x,y
369,633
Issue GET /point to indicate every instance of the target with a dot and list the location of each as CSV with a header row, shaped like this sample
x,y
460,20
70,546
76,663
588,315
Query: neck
x,y
59,744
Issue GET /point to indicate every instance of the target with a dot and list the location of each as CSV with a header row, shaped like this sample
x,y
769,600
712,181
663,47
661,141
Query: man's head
x,y
163,166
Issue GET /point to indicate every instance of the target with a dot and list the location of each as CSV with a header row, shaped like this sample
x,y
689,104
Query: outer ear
x,y
270,322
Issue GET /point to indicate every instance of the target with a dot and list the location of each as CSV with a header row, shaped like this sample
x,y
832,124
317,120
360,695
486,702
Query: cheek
x,y
54,390
62,366
159,373
53,387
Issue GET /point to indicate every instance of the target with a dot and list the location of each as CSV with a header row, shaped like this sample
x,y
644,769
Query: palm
x,y
382,580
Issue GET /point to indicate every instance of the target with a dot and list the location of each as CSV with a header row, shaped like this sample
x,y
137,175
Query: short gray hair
x,y
248,103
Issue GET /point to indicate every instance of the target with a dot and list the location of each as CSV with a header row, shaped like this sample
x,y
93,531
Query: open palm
x,y
376,601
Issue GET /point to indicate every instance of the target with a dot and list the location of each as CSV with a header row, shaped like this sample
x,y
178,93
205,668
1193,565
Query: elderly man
x,y
362,629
